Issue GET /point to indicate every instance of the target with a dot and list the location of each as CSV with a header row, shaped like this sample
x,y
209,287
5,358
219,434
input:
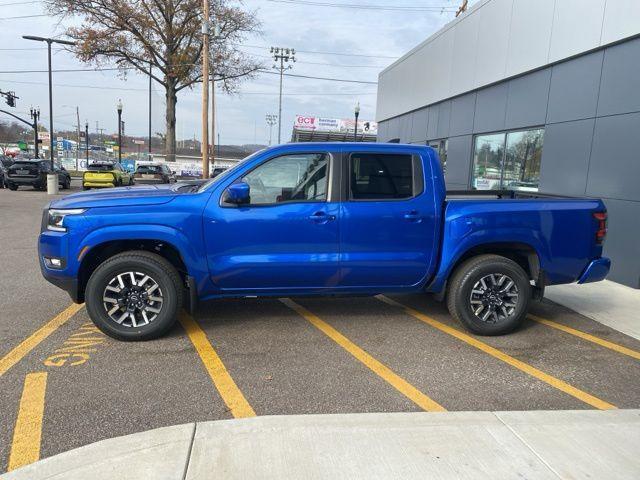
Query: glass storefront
x,y
441,146
509,160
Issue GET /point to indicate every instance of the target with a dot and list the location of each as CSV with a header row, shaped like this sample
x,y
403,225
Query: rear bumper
x,y
27,180
149,181
97,184
597,270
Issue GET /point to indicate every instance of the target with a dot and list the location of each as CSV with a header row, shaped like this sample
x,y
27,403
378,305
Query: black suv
x,y
34,173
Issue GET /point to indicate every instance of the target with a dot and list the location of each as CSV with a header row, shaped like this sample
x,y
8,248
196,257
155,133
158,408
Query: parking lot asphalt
x,y
67,385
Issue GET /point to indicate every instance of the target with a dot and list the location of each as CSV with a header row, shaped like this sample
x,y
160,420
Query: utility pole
x,y
150,79
78,139
205,88
282,55
86,139
271,121
119,108
463,7
356,112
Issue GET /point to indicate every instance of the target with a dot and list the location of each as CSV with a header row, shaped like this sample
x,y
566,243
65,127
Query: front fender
x,y
194,260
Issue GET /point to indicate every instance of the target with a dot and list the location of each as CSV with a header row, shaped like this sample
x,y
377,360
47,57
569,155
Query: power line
x,y
395,8
364,82
18,3
23,16
318,52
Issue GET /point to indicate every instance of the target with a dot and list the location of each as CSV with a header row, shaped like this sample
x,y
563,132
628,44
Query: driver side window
x,y
297,177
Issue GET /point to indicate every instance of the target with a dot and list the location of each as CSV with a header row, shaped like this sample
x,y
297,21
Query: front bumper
x,y
597,270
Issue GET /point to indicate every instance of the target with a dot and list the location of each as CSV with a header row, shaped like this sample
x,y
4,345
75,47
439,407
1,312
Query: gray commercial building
x,y
537,95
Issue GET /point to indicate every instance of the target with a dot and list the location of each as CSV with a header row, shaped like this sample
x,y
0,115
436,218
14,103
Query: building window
x,y
441,146
509,160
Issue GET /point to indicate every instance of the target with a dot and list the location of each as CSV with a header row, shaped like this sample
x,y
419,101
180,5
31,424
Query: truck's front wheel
x,y
134,296
489,295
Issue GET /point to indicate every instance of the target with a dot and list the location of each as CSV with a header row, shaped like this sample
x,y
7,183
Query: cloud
x,y
240,118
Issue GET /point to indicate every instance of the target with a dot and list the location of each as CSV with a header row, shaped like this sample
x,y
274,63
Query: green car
x,y
106,174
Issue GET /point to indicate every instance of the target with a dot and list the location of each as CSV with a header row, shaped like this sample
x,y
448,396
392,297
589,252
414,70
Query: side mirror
x,y
237,194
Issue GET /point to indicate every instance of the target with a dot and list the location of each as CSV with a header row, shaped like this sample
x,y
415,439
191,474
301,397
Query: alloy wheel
x,y
132,299
494,298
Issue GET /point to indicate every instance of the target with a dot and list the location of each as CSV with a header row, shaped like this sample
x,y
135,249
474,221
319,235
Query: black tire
x,y
12,186
66,184
131,183
160,271
470,275
85,188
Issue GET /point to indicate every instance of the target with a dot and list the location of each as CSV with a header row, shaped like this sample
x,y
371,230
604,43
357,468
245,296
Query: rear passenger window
x,y
380,176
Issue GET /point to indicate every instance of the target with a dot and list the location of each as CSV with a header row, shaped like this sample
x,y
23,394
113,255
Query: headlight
x,y
56,218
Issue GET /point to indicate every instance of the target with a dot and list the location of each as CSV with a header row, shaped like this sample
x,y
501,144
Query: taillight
x,y
601,232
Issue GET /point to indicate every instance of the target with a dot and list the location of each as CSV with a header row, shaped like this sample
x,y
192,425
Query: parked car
x,y
154,173
106,174
3,176
318,219
217,171
34,173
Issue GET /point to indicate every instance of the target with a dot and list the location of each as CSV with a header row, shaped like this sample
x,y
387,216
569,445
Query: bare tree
x,y
165,34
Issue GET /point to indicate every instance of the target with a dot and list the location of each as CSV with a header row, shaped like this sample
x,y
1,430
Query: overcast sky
x,y
382,35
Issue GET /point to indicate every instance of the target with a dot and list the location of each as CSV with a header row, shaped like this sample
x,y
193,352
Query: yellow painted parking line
x,y
25,448
384,372
19,352
229,391
587,336
508,359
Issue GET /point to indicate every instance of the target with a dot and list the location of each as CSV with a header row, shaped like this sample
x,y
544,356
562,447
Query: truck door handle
x,y
413,216
321,217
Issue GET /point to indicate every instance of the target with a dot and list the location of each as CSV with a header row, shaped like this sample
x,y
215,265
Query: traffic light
x,y
11,99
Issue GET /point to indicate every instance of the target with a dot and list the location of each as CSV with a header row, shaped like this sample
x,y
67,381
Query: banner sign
x,y
333,125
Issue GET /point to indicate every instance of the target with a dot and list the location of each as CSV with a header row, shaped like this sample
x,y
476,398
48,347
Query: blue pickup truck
x,y
317,219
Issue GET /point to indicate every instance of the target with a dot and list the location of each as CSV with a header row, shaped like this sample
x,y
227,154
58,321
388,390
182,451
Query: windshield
x,y
227,172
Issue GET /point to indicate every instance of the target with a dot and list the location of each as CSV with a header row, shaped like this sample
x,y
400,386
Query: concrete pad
x,y
584,444
159,454
394,445
609,303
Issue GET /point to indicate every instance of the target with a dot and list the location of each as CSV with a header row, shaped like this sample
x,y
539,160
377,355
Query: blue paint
x,y
325,247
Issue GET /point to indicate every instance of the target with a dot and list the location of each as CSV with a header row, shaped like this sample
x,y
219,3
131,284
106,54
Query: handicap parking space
x,y
65,384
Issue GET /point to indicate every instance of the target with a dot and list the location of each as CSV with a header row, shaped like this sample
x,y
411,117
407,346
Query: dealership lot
x,y
277,356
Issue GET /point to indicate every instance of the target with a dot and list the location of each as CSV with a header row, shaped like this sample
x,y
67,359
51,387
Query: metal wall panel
x,y
458,169
405,128
530,37
393,128
432,127
614,169
622,244
620,85
463,64
572,32
491,106
574,88
527,99
462,112
419,125
565,157
620,20
444,115
493,41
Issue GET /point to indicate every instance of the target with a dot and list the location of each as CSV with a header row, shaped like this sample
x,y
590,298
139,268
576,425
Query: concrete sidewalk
x,y
501,445
609,303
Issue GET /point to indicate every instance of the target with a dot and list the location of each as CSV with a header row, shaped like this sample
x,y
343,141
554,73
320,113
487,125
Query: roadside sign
x,y
139,142
44,136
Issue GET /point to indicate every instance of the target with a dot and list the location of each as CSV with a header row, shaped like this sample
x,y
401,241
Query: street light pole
x,y
150,79
52,183
35,115
271,121
282,55
119,107
355,127
205,88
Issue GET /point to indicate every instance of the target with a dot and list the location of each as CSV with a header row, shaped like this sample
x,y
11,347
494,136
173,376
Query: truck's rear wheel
x,y
489,295
134,296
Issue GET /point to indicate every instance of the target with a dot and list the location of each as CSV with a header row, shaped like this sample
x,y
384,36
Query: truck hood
x,y
120,197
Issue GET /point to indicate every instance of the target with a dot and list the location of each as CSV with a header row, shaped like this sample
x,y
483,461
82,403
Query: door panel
x,y
286,238
386,241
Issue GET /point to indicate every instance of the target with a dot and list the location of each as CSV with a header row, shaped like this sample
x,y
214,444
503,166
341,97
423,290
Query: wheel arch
x,y
102,251
522,253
